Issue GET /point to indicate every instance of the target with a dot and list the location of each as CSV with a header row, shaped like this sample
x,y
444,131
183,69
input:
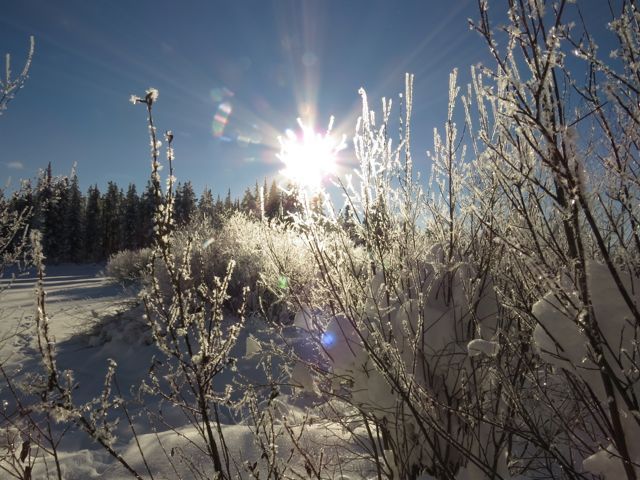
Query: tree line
x,y
91,226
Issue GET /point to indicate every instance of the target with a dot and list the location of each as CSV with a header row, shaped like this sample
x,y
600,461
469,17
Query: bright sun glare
x,y
310,157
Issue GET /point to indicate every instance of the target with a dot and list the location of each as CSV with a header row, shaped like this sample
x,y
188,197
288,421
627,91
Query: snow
x,y
479,346
77,296
561,340
605,463
252,346
422,327
94,322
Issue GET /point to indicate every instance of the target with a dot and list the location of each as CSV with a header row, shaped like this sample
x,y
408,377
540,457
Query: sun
x,y
310,157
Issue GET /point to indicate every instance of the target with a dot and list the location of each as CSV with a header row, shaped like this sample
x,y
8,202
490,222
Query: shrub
x,y
128,266
493,331
269,257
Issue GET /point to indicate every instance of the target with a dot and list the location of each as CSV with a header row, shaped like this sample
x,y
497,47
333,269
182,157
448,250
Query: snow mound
x,y
561,340
478,347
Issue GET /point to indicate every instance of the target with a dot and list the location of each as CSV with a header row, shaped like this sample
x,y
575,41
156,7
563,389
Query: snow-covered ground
x,y
78,296
94,320
79,299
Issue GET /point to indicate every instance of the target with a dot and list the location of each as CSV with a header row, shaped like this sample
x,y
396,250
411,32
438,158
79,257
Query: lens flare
x,y
328,339
221,118
283,283
218,94
310,157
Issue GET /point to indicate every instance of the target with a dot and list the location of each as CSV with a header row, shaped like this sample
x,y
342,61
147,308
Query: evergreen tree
x,y
61,207
259,194
272,203
290,202
73,221
177,203
249,203
219,207
377,222
228,203
130,220
93,226
147,209
111,220
185,204
43,200
206,206
349,223
190,200
219,212
316,204
55,240
23,199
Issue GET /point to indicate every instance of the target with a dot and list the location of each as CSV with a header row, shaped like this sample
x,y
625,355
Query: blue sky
x,y
266,61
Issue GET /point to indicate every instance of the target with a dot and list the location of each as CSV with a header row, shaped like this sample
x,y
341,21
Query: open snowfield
x,y
78,296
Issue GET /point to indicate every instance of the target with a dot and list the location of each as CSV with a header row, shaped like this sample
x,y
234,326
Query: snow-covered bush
x,y
268,257
128,265
556,186
187,325
563,340
494,330
14,222
395,316
187,305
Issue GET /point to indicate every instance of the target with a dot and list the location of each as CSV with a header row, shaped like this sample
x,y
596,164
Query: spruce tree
x,y
249,203
55,240
23,199
219,212
259,195
93,225
349,223
177,203
290,202
185,203
147,209
188,201
228,203
61,207
43,200
130,219
73,221
205,205
111,220
219,206
272,201
20,205
316,204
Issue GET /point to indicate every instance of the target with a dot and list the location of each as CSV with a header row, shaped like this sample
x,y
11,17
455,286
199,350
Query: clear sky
x,y
257,64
